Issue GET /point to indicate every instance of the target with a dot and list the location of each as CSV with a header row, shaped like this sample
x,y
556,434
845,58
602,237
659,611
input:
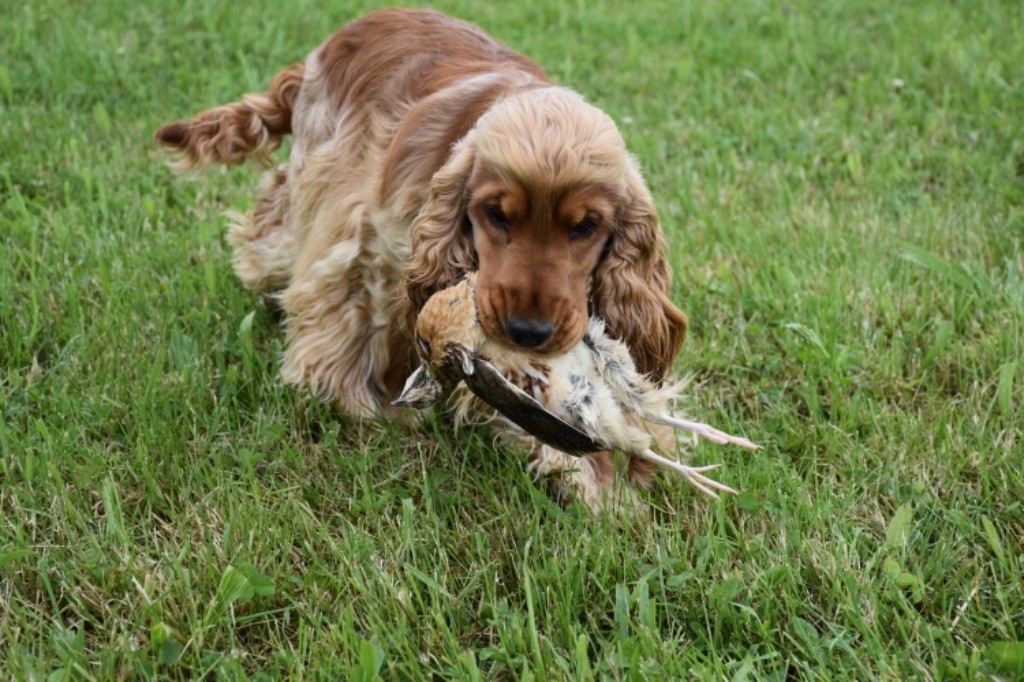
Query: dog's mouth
x,y
568,329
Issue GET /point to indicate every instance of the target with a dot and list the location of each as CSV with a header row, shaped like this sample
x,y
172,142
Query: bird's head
x,y
447,333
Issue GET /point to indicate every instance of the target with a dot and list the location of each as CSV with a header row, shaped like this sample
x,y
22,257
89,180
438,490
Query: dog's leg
x,y
340,328
264,241
589,479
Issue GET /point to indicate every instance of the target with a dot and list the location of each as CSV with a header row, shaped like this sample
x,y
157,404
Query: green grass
x,y
843,188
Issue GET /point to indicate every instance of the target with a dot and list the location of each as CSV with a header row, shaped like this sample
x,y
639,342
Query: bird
x,y
589,399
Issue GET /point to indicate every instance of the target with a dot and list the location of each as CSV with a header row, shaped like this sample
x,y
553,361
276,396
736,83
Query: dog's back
x,y
377,67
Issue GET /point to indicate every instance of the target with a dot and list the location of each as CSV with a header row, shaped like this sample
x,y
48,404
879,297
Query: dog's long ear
x,y
630,285
442,240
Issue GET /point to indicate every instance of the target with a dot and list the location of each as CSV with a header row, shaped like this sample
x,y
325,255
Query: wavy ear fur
x,y
630,286
442,241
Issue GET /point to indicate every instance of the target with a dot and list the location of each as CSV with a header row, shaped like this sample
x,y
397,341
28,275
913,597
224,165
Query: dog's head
x,y
542,199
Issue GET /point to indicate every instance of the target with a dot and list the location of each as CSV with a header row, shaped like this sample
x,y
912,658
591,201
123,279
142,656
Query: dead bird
x,y
590,399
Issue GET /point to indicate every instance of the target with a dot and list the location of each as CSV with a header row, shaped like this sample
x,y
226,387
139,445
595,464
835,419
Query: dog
x,y
424,149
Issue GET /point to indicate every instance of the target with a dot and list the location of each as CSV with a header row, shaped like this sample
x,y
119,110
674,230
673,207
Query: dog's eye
x,y
583,228
424,346
497,217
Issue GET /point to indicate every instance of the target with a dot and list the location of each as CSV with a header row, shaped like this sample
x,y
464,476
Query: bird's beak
x,y
465,361
493,388
421,391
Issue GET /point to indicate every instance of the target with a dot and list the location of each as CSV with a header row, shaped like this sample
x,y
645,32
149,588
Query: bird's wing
x,y
493,388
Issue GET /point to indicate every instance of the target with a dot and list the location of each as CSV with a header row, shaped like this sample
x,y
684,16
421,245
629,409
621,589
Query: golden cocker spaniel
x,y
424,149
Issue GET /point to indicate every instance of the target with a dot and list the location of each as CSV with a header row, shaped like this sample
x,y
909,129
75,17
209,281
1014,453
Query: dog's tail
x,y
230,133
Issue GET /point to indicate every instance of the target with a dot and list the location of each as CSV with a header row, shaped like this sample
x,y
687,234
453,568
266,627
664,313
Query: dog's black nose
x,y
528,332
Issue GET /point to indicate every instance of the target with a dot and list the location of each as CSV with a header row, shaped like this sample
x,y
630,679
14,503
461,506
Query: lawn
x,y
842,184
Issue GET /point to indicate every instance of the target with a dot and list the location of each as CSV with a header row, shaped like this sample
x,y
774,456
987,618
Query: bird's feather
x,y
592,398
491,386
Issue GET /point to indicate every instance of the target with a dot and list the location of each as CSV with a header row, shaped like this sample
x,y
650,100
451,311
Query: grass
x,y
843,188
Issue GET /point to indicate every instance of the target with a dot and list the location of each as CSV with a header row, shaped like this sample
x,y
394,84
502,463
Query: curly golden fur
x,y
423,149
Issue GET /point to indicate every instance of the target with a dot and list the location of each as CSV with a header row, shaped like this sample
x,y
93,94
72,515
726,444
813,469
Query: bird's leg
x,y
705,431
694,475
